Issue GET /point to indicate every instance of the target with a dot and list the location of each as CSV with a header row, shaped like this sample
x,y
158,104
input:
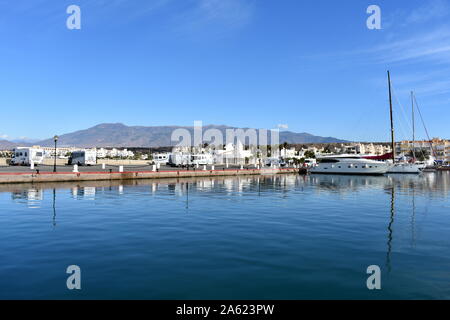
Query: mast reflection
x,y
390,230
54,207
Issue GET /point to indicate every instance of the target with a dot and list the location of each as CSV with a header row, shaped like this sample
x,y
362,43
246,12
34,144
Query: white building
x,y
233,154
288,153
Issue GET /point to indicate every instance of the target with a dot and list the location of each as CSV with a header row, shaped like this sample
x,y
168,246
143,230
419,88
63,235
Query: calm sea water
x,y
268,237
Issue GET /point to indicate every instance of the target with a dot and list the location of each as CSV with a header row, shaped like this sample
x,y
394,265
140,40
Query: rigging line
x,y
407,122
414,129
403,113
402,110
424,126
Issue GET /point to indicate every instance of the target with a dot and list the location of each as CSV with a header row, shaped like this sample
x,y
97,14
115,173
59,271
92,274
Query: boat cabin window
x,y
328,161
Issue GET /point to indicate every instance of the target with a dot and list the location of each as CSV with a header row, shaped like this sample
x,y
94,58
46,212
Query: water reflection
x,y
282,222
83,193
31,197
413,220
390,230
433,184
54,207
187,195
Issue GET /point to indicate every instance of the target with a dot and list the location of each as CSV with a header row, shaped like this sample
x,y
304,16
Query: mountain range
x,y
120,135
6,145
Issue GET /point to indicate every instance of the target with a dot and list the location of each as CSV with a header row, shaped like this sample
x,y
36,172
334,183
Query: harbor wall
x,y
110,162
131,175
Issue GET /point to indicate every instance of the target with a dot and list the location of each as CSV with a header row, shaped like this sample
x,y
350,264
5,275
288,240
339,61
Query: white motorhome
x,y
161,158
24,156
178,159
274,161
202,159
83,157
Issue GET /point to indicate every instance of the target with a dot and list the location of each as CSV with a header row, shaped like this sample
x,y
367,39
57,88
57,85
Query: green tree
x,y
310,154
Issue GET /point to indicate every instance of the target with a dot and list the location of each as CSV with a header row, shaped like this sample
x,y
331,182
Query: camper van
x,y
161,158
202,159
24,156
274,162
83,158
180,160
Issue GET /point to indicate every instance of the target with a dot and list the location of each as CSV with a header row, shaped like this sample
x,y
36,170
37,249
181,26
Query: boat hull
x,y
350,173
405,169
352,168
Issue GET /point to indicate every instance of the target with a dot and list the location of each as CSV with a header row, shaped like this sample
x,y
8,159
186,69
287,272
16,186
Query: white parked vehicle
x,y
202,159
180,159
24,156
272,162
161,158
83,158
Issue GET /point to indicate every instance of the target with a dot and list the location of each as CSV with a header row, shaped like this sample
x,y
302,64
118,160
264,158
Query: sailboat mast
x,y
392,118
414,127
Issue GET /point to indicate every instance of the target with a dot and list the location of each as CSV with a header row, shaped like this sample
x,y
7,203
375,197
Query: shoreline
x,y
33,177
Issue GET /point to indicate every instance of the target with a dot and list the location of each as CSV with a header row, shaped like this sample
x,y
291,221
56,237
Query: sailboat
x,y
400,167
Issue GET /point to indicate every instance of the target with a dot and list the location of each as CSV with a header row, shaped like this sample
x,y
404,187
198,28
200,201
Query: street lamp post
x,y
55,138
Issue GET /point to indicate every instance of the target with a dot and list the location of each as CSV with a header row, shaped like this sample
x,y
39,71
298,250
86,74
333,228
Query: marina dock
x,y
38,176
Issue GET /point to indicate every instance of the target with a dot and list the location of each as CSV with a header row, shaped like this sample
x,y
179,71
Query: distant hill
x,y
7,145
120,135
299,138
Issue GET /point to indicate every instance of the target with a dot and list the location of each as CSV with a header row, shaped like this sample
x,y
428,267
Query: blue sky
x,y
312,65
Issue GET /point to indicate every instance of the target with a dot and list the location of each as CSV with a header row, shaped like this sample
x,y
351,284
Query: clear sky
x,y
311,65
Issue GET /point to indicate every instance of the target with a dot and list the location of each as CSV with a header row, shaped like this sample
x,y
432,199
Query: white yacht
x,y
350,165
406,168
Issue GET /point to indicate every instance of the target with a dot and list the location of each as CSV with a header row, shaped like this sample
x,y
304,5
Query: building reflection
x,y
433,184
86,193
31,197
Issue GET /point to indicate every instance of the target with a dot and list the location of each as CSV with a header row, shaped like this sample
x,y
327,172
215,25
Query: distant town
x,y
238,153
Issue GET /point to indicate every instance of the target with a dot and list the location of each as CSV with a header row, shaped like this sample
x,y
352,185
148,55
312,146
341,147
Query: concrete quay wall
x,y
99,176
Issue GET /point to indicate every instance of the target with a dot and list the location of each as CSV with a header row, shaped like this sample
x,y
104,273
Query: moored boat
x,y
350,165
405,168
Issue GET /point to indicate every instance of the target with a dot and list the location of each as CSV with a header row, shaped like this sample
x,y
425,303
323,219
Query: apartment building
x,y
440,148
